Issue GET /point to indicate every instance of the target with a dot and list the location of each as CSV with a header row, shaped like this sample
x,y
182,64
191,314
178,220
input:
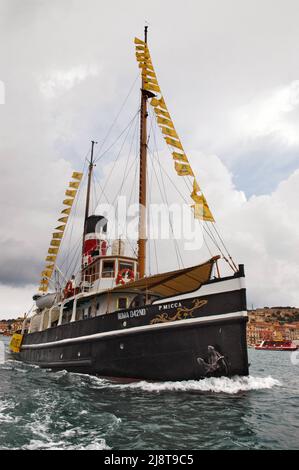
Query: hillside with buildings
x,y
9,327
270,323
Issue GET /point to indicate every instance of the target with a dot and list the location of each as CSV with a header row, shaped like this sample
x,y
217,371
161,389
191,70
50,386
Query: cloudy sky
x,y
230,75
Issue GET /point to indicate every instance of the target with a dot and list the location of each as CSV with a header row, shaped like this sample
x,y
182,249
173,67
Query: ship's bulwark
x,y
179,340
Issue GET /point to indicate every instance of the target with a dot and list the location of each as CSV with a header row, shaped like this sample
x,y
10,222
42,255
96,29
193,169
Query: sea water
x,y
41,409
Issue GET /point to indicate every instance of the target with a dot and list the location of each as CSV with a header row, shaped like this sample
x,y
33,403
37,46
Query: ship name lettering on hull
x,y
140,312
169,306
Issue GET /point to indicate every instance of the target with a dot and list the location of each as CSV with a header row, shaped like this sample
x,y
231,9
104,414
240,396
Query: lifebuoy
x,y
124,276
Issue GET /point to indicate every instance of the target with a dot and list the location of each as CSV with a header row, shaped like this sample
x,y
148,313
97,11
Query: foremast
x,y
87,203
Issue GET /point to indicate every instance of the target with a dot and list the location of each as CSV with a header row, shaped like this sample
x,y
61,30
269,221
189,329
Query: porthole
x,y
121,346
79,354
124,323
61,356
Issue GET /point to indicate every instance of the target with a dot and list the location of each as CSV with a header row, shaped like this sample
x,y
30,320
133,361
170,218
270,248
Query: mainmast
x,y
90,169
142,176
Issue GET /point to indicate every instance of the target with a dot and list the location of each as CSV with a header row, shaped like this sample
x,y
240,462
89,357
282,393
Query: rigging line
x,y
154,240
176,247
214,240
128,158
149,194
166,199
187,181
205,240
117,139
69,231
184,199
223,244
94,195
118,155
210,235
102,190
76,260
74,247
73,217
122,184
118,114
178,255
132,248
217,245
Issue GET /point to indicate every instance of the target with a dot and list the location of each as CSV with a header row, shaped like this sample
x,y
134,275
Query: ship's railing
x,y
86,283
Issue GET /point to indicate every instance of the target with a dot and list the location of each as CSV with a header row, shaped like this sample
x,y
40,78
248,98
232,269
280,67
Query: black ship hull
x,y
182,339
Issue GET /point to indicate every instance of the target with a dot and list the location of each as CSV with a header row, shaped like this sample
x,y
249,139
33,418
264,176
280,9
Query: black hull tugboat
x,y
111,319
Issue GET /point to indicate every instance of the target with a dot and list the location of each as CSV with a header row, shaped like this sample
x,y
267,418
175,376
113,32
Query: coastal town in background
x,y
267,323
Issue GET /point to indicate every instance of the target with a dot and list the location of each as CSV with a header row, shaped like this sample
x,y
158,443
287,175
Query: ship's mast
x,y
142,177
90,169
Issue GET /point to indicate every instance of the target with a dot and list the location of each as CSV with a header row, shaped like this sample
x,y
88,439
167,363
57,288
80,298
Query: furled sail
x,y
181,162
58,234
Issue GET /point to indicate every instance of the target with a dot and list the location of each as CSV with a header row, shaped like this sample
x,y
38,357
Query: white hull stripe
x,y
139,329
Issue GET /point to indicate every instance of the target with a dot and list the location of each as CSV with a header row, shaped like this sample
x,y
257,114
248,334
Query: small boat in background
x,y
277,345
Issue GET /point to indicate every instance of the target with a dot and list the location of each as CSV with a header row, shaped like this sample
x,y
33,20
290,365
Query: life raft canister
x,y
124,276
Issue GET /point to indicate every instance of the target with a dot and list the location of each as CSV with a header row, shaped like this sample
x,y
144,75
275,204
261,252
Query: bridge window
x,y
108,269
122,303
123,265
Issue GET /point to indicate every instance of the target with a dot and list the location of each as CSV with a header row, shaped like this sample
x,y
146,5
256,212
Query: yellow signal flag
x,y
165,122
140,47
74,184
159,103
150,87
50,266
68,202
160,112
51,259
152,81
183,170
53,251
71,192
77,176
198,211
138,41
151,74
180,156
66,211
43,288
63,220
47,273
174,143
171,132
143,56
197,198
202,211
148,74
147,65
196,187
57,235
60,228
55,242
44,282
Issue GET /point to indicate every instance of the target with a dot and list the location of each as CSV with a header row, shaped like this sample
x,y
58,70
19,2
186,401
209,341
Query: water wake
x,y
226,385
